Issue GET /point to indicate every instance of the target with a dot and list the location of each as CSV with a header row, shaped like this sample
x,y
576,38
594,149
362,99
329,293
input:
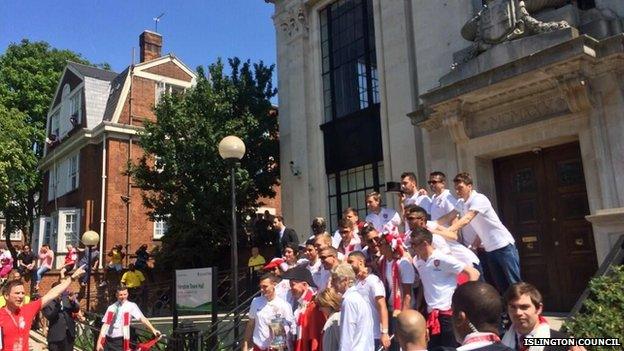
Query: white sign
x,y
194,289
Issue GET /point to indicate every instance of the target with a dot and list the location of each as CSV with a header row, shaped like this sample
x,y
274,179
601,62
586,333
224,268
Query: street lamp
x,y
89,239
232,149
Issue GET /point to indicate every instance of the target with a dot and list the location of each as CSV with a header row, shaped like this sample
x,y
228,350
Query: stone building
x,y
526,96
92,128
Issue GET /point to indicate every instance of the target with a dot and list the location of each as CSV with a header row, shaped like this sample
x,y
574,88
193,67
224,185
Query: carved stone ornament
x,y
503,20
293,22
577,93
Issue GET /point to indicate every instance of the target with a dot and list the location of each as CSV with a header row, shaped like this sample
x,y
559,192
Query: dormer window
x,y
54,126
166,88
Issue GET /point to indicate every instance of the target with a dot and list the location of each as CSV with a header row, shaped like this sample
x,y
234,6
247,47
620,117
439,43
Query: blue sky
x,y
197,31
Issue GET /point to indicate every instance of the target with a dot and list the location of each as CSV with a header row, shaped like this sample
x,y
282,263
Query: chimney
x,y
150,44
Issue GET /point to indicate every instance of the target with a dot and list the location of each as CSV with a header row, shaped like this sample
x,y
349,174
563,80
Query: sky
x,y
105,31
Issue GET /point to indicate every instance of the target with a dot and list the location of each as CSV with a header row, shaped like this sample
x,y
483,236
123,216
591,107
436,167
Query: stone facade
x,y
533,92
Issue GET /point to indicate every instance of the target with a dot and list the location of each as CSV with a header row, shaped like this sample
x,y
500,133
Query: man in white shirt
x,y
438,273
373,290
356,318
378,215
397,272
313,263
442,202
477,212
115,331
348,242
351,214
263,310
411,195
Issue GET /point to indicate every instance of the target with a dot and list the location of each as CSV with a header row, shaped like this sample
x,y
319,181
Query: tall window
x,y
350,80
71,229
166,88
348,188
74,106
73,172
54,125
160,228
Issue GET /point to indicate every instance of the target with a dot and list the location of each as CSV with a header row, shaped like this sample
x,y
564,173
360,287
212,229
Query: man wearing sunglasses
x,y
442,202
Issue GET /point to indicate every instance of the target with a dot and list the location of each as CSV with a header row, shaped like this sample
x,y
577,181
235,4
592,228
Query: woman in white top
x,y
329,303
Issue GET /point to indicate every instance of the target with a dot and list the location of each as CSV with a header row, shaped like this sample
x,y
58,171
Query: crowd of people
x,y
60,305
412,279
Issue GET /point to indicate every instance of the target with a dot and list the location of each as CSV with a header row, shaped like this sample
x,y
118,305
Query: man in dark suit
x,y
525,305
62,328
284,235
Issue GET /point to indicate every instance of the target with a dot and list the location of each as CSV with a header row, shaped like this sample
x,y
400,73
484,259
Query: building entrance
x,y
542,200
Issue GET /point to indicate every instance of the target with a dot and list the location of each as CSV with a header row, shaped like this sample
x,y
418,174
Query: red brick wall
x,y
143,95
87,195
171,70
116,229
275,202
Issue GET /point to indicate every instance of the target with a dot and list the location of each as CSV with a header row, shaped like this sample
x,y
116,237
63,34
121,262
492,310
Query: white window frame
x,y
75,105
160,228
15,236
70,227
73,171
166,88
55,125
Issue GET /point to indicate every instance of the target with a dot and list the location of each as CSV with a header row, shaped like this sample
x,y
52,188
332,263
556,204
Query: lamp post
x,y
232,149
89,239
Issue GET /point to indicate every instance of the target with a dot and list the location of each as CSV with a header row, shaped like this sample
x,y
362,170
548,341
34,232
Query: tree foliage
x,y
29,75
188,183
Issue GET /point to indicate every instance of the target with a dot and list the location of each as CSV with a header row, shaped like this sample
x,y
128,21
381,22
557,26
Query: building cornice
x,y
87,136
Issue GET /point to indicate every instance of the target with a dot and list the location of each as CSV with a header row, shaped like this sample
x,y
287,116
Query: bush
x,y
602,314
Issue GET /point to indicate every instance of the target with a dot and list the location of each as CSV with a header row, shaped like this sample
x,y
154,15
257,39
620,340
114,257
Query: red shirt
x,y
16,327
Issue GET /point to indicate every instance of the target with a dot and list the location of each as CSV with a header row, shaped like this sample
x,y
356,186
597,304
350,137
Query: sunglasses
x,y
325,257
431,182
346,231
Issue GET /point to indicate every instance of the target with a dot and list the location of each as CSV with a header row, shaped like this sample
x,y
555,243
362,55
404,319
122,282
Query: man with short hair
x,y
284,235
410,194
373,291
349,242
16,318
26,262
115,332
61,325
262,311
309,319
438,273
356,318
380,216
396,271
477,212
350,214
477,310
525,305
442,202
412,331
133,280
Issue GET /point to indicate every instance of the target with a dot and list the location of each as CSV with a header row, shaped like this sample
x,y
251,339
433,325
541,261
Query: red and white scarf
x,y
299,313
511,339
111,317
395,281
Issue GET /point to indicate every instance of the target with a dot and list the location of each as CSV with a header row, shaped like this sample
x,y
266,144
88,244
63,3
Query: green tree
x,y
188,182
29,74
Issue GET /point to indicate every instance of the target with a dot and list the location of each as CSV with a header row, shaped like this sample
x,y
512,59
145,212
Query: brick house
x,y
92,127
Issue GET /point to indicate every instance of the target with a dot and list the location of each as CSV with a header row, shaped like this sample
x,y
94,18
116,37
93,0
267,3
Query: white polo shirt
x,y
354,245
452,247
406,272
118,310
262,311
439,279
317,272
419,200
337,238
356,322
371,288
486,223
385,215
442,204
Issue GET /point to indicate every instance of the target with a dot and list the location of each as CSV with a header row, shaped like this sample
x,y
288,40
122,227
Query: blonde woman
x,y
329,303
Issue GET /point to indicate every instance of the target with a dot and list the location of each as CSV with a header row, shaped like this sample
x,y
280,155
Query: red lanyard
x,y
487,337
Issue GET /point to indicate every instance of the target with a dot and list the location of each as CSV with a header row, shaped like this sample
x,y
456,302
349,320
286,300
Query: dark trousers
x,y
446,336
113,344
63,345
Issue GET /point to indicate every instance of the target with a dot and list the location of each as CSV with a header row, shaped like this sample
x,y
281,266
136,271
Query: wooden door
x,y
542,200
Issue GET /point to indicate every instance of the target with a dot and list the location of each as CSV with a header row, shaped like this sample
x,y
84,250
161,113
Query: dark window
x,y
350,79
348,188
